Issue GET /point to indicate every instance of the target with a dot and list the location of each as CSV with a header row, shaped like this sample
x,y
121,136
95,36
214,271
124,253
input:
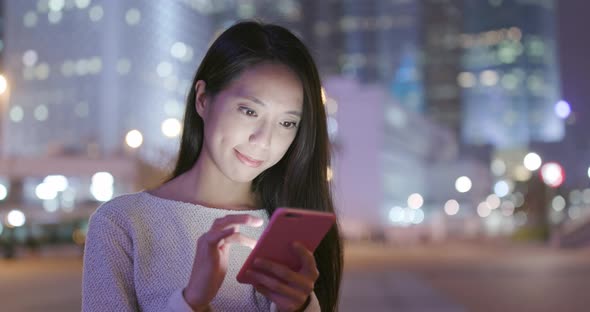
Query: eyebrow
x,y
259,102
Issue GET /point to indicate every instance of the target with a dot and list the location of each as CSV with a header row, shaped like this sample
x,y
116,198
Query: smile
x,y
247,160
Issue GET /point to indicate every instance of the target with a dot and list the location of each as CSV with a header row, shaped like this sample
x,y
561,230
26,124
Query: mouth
x,y
250,162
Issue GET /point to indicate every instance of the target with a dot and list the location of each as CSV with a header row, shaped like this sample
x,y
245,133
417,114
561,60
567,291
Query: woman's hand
x,y
289,290
211,258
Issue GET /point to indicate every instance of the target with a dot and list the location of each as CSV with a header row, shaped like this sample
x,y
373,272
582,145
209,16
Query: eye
x,y
289,124
248,112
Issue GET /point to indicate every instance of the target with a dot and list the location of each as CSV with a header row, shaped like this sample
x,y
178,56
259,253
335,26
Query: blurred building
x,y
89,82
510,76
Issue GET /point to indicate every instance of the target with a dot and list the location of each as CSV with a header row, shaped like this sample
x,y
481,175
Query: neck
x,y
205,185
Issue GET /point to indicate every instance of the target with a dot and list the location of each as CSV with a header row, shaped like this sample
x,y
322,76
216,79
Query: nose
x,y
261,136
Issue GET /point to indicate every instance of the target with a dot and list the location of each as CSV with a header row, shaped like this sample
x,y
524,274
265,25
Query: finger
x,y
215,238
304,283
237,219
308,265
240,239
277,286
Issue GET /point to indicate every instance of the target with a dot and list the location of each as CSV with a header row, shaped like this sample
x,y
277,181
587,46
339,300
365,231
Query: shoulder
x,y
119,209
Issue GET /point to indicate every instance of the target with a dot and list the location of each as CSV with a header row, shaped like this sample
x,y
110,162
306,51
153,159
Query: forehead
x,y
273,84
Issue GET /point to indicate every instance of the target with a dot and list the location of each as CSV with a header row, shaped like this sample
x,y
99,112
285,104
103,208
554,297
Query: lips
x,y
250,162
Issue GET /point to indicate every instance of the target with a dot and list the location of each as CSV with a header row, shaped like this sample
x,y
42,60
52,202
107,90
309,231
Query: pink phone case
x,y
288,225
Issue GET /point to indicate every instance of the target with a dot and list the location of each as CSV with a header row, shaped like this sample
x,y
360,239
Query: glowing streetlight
x,y
3,192
415,201
171,127
502,188
451,207
552,174
463,184
562,109
532,161
134,138
15,218
102,186
3,84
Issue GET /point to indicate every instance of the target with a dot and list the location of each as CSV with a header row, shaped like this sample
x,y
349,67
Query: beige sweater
x,y
139,255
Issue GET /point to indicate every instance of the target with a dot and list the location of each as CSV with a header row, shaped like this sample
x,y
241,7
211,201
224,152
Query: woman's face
x,y
250,124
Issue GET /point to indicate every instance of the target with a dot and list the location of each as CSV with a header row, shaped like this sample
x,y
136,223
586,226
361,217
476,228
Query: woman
x,y
254,139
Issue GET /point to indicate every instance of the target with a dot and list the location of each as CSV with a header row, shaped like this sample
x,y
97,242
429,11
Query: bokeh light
x,y
558,203
562,109
483,209
502,188
415,201
3,84
134,138
3,191
171,127
552,174
451,207
532,161
463,184
15,218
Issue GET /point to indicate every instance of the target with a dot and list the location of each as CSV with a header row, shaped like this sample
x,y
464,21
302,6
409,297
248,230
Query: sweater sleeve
x,y
313,306
107,282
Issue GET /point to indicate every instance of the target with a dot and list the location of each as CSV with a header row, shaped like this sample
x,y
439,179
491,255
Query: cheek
x,y
281,147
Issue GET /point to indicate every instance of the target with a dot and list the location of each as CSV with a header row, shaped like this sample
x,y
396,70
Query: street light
x,y
463,184
552,174
3,84
532,161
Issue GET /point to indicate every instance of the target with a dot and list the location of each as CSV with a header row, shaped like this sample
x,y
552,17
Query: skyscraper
x,y
510,73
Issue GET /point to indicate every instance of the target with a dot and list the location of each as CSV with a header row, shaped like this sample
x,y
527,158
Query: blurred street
x,y
451,277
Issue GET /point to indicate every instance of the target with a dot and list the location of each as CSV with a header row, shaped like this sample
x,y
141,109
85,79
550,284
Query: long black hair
x,y
299,179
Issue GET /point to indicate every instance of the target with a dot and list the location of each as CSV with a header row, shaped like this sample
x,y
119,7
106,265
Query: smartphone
x,y
288,225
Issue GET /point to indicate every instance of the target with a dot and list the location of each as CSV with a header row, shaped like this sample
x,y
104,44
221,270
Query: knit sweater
x,y
140,251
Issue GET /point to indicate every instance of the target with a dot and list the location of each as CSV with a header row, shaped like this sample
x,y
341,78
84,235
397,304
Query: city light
x,y
3,191
501,188
418,216
575,197
532,161
493,201
558,203
507,208
46,191
415,201
15,218
498,167
329,174
102,186
562,109
483,209
134,138
3,84
103,178
58,182
171,127
451,207
552,174
396,214
521,173
463,184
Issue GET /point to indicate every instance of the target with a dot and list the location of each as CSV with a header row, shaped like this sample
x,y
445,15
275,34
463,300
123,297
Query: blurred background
x,y
459,129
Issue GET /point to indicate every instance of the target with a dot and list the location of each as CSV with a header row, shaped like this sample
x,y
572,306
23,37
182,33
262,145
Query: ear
x,y
200,98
